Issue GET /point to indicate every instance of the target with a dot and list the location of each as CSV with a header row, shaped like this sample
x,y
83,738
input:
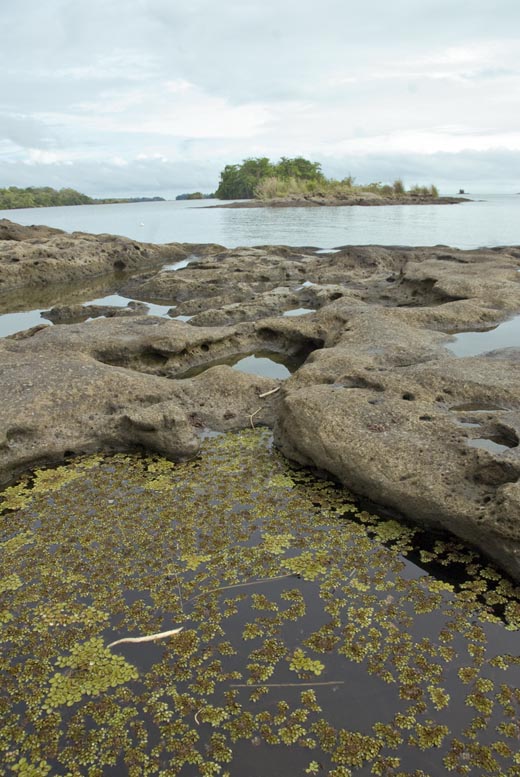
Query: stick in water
x,y
147,638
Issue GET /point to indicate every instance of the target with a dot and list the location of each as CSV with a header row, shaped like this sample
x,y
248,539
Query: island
x,y
195,196
298,182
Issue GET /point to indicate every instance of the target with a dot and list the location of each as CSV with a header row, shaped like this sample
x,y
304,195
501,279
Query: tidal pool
x,y
266,363
311,643
299,311
505,335
491,444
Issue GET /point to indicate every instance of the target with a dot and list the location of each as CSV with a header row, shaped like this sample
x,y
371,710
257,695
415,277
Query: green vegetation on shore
x,y
259,178
195,196
46,196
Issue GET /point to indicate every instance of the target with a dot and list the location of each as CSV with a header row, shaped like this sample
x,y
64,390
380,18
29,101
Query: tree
x,y
299,168
240,181
39,197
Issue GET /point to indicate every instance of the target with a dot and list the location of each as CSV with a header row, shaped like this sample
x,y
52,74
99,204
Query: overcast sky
x,y
156,96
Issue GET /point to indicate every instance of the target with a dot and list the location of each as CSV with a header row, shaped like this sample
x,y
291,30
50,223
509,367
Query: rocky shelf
x,y
321,200
380,401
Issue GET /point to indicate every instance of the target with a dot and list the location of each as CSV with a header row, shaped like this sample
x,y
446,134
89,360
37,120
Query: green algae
x,y
309,644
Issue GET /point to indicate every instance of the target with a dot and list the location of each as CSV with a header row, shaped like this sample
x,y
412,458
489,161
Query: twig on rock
x,y
252,415
268,393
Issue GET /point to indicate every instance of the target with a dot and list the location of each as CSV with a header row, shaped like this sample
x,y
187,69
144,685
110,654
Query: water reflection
x,y
268,364
488,444
505,335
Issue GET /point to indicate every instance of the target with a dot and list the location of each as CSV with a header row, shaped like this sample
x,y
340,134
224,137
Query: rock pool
x,y
314,639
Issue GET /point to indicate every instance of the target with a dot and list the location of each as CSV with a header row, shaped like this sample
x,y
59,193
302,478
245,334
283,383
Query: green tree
x,y
40,197
299,168
240,181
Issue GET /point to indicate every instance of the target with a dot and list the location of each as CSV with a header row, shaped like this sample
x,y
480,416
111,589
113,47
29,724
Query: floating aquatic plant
x,y
309,644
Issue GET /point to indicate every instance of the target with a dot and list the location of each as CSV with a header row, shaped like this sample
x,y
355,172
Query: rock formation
x,y
380,402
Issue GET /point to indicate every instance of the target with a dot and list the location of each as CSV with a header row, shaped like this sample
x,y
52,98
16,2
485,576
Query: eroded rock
x,y
380,403
40,256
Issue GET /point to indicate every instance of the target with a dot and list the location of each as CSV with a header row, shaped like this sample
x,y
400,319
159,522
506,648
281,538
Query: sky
x,y
154,97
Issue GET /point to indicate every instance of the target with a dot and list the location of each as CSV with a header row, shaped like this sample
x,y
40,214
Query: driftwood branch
x,y
252,415
147,638
268,393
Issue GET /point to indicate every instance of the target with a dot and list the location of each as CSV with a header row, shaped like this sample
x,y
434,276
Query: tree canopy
x,y
40,197
241,181
46,197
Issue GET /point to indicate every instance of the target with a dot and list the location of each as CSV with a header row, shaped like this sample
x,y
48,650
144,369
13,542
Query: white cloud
x,y
142,85
430,142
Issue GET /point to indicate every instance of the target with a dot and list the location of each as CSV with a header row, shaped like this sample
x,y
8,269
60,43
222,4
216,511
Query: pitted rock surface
x,y
379,402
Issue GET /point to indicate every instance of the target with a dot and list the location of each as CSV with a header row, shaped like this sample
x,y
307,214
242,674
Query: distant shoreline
x,y
121,201
14,198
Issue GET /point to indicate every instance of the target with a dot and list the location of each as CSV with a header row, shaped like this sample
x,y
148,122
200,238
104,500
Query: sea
x,y
488,220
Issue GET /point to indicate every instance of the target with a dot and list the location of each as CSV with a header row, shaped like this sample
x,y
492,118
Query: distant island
x,y
195,196
299,182
46,196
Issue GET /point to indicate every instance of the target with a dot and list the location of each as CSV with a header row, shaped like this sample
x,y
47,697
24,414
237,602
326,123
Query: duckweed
x,y
311,642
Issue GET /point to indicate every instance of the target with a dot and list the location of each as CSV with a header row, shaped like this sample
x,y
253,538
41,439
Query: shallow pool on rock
x,y
299,311
506,335
265,363
310,644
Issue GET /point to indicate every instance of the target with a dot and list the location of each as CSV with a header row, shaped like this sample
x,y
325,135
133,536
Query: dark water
x,y
317,638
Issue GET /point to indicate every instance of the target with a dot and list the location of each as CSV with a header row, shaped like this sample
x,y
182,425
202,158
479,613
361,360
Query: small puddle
x,y
305,285
180,265
182,318
299,311
506,335
11,323
118,301
264,363
490,444
328,250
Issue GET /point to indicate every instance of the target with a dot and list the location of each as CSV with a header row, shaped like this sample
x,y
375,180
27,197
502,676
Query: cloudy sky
x,y
156,96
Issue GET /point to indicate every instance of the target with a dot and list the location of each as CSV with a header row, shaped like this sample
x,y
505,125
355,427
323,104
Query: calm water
x,y
492,220
506,335
265,363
